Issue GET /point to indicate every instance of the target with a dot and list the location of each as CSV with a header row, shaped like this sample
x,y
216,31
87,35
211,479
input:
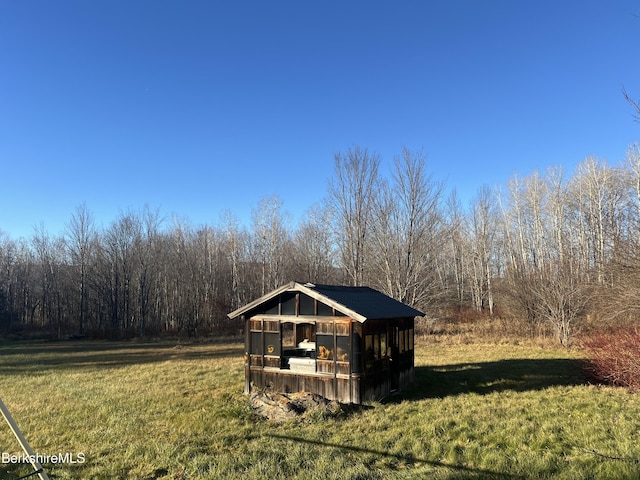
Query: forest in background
x,y
544,250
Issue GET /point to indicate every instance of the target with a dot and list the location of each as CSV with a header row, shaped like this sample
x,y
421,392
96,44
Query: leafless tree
x,y
270,235
635,104
557,214
561,299
456,249
147,246
117,252
598,195
8,264
483,228
408,232
352,191
523,242
633,162
313,247
235,245
555,249
80,235
50,257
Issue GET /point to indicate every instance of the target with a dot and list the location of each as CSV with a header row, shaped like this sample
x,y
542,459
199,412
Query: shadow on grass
x,y
516,375
462,471
34,357
13,472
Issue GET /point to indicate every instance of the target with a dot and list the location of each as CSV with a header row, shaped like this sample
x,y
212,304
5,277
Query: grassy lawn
x,y
166,410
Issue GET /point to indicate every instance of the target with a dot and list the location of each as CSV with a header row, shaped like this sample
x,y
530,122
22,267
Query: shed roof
x,y
359,303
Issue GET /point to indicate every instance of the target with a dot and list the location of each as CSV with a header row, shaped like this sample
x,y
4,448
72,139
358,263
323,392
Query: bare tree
x,y
599,193
408,226
80,233
457,249
50,256
557,213
235,241
352,191
520,217
313,247
635,104
8,281
561,299
119,268
270,235
633,162
483,228
148,245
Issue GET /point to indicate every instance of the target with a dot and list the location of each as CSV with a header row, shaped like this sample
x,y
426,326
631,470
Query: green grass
x,y
162,410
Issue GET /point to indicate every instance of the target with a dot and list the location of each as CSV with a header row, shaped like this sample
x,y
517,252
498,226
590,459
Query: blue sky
x,y
197,107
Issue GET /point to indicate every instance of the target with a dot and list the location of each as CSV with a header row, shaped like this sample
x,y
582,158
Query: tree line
x,y
547,248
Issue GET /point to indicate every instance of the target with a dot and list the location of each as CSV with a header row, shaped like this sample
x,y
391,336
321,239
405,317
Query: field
x,y
177,411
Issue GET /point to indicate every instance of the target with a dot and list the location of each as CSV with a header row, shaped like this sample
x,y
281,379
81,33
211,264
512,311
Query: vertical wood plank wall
x,y
335,380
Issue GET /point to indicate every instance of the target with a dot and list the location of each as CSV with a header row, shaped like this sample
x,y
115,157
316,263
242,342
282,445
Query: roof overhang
x,y
299,287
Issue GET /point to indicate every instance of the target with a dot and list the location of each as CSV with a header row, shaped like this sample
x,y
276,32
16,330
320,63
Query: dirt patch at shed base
x,y
280,407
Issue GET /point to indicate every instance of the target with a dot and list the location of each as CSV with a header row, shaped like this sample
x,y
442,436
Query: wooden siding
x,y
359,362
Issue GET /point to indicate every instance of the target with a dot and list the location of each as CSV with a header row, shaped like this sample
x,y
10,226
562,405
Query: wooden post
x,y
33,459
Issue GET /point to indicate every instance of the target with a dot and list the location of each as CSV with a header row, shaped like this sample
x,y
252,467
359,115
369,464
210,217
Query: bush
x,y
613,357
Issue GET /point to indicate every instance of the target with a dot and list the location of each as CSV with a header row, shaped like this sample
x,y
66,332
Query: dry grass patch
x,y
170,411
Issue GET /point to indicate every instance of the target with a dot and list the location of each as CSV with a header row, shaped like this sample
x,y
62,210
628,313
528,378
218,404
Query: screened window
x,y
356,364
324,310
376,346
272,344
324,347
342,349
272,307
368,352
307,305
288,335
256,343
288,301
305,332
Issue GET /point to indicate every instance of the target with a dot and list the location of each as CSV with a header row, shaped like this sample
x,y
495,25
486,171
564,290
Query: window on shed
x,y
383,345
356,363
288,335
376,346
256,343
305,332
324,310
272,307
288,303
368,352
272,344
342,348
307,305
324,347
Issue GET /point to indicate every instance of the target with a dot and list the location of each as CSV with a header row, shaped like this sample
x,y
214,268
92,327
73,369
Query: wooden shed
x,y
349,344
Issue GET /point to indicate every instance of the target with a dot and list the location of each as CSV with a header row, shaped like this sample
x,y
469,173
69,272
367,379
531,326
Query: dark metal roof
x,y
367,302
360,303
